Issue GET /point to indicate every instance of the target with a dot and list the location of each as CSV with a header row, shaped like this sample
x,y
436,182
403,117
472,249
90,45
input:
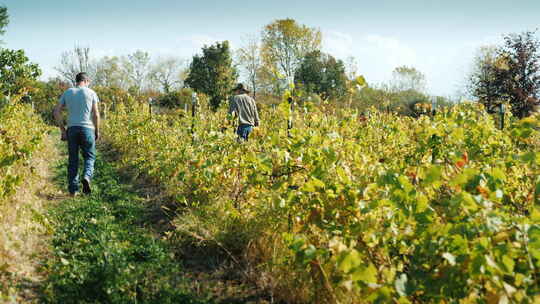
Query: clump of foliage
x,y
16,72
322,74
212,73
17,144
45,96
176,99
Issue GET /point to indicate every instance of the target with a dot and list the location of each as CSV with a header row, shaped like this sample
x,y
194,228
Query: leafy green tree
x,y
482,79
213,73
4,19
16,72
322,74
284,45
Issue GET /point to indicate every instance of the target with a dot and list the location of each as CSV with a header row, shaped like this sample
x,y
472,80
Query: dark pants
x,y
244,130
84,139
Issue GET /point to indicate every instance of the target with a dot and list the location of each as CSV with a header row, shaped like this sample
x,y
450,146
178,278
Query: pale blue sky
x,y
437,37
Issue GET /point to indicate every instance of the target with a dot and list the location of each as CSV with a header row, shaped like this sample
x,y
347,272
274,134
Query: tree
x,y
483,77
16,72
511,73
520,71
322,74
408,78
213,73
249,58
137,67
168,73
285,43
75,61
4,19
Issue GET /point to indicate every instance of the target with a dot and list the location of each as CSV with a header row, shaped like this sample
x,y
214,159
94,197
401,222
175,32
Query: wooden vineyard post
x,y
290,121
150,101
502,111
194,102
433,106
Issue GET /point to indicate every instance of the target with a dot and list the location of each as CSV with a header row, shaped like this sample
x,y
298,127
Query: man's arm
x,y
96,119
57,113
232,106
58,116
232,110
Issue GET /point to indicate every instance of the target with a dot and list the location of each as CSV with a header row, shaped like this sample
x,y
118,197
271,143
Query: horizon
x,y
437,38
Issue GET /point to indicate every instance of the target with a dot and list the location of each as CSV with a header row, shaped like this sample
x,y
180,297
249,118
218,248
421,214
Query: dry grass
x,y
24,228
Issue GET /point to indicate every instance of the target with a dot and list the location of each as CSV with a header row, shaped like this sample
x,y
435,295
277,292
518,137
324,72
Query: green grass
x,y
101,253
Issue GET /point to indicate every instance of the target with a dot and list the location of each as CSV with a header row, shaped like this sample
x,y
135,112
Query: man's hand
x,y
63,137
97,134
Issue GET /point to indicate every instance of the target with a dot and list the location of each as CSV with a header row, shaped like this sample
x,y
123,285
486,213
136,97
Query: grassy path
x,y
102,253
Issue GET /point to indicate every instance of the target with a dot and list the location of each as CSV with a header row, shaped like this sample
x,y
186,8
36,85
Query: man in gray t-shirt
x,y
242,105
82,131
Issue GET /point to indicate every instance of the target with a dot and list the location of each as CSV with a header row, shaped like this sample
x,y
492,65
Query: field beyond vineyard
x,y
349,208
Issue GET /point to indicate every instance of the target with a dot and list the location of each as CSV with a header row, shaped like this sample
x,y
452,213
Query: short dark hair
x,y
81,77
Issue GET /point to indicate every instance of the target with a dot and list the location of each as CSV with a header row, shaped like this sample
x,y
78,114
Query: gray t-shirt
x,y
79,102
246,109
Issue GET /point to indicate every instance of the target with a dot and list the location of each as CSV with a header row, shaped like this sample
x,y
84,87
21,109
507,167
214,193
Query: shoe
x,y
86,186
73,194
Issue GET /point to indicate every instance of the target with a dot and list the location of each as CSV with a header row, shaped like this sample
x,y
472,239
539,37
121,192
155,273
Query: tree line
x,y
135,72
285,56
288,56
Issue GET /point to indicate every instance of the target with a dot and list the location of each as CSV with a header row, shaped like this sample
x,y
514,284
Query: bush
x,y
175,99
45,96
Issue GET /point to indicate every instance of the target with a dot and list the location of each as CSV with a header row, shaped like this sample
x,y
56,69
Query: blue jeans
x,y
244,130
80,138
